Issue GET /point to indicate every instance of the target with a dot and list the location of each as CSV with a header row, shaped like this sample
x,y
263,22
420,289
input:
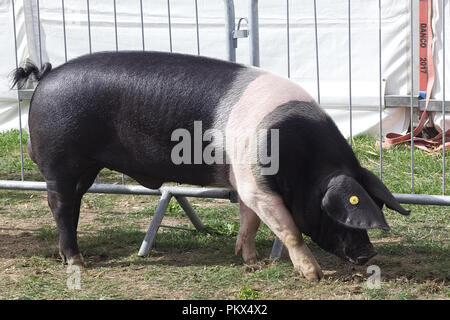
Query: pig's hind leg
x,y
83,184
247,232
64,198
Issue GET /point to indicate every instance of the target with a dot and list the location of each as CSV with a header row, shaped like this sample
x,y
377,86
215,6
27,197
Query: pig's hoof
x,y
63,257
311,272
251,261
249,253
254,267
314,275
300,273
76,260
250,258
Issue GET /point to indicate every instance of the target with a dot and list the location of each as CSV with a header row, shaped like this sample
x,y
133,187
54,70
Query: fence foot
x,y
190,212
277,248
156,222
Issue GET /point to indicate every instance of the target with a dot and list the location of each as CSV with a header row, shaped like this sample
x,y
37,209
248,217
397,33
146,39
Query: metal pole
x,y
381,90
277,249
190,212
115,29
253,25
218,193
39,33
142,25
155,223
90,43
443,97
64,30
230,42
19,110
197,27
411,110
117,49
423,199
89,25
317,52
288,47
170,25
350,72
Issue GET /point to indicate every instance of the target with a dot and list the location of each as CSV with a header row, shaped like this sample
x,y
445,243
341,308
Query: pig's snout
x,y
361,255
361,260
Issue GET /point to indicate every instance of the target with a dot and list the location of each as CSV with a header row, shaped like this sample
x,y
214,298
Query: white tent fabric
x,y
333,46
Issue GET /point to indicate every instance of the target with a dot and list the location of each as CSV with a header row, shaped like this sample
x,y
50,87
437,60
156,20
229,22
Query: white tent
x,y
47,44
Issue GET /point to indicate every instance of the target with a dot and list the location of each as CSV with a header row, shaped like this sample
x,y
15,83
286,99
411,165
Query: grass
x,y
396,169
414,258
247,293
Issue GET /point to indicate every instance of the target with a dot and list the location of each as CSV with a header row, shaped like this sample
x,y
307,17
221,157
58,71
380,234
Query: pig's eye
x,y
354,200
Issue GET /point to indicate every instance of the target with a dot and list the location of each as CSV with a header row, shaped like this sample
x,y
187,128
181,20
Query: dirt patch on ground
x,y
191,265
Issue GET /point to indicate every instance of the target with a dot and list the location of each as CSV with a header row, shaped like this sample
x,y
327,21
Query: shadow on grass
x,y
118,247
409,260
13,196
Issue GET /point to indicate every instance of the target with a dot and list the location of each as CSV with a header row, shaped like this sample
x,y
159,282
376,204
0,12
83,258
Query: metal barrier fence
x,y
178,192
232,34
389,101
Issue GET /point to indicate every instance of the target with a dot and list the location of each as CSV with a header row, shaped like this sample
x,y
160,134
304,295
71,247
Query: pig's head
x,y
341,209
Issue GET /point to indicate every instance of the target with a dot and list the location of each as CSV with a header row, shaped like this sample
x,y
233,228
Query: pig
x,y
120,110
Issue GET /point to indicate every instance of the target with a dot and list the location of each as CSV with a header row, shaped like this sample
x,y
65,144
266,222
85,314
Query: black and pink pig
x,y
142,113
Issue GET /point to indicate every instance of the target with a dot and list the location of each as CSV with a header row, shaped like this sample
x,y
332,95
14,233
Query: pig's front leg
x,y
247,232
272,211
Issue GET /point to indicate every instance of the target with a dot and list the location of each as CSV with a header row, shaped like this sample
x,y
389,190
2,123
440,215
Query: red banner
x,y
423,41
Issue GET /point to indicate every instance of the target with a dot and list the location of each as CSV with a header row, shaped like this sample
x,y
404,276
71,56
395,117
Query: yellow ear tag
x,y
354,200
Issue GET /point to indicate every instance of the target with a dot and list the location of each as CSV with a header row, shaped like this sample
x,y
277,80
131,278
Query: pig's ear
x,y
346,202
380,193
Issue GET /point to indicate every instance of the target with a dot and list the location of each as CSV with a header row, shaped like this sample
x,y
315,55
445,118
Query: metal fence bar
x,y
317,52
443,97
277,248
197,27
230,25
350,102
15,37
64,30
218,193
380,90
19,109
288,41
89,25
253,25
142,25
115,25
423,199
198,192
170,25
117,49
39,32
190,212
394,101
155,223
90,46
411,110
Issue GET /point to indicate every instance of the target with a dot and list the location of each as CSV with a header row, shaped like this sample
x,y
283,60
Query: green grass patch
x,y
396,169
47,233
414,257
247,293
